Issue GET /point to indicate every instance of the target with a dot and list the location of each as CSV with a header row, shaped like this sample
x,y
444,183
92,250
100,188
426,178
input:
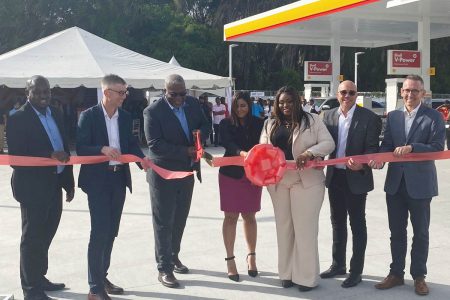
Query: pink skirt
x,y
239,195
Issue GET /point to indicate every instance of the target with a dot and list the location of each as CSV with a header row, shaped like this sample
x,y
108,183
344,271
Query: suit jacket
x,y
92,136
27,137
316,139
363,138
427,134
166,139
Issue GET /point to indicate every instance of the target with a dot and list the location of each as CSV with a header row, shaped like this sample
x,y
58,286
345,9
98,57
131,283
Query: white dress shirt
x,y
344,126
112,127
409,118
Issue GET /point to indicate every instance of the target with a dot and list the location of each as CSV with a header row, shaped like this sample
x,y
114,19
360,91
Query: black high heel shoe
x,y
234,277
251,273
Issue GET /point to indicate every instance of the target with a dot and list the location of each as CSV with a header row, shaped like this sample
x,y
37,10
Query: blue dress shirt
x,y
52,131
181,116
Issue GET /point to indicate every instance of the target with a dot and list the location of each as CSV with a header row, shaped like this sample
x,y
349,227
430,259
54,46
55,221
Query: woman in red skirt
x,y
238,196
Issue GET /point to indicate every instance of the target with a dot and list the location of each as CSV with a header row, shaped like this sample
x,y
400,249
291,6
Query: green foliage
x,y
192,31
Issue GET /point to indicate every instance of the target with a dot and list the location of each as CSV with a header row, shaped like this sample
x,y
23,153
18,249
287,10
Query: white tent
x,y
75,57
174,61
197,92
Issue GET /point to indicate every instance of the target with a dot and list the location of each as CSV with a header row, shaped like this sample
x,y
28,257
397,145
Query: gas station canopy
x,y
358,23
349,23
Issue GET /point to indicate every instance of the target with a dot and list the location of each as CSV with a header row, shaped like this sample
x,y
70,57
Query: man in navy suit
x,y
36,129
410,186
105,129
169,123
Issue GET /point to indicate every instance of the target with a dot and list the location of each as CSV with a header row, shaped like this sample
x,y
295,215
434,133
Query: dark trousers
x,y
171,201
105,208
211,134
342,203
40,221
398,206
216,135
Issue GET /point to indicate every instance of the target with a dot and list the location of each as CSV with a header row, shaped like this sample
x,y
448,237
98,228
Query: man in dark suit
x,y
37,130
169,123
105,129
355,131
410,186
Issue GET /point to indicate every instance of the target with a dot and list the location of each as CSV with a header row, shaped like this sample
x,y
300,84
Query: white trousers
x,y
297,221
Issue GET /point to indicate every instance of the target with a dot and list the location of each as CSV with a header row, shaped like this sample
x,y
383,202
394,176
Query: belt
x,y
115,168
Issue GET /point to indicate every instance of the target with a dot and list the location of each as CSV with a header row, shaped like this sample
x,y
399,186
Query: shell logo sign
x,y
403,62
318,70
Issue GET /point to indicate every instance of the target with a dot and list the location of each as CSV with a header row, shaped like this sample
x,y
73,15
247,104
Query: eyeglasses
x,y
173,94
345,92
413,91
121,93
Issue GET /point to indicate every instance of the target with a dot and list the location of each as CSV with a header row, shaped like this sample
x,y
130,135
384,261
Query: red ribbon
x,y
265,165
27,161
197,145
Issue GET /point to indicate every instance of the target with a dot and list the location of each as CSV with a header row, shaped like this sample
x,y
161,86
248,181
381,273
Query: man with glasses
x,y
105,129
169,124
355,131
410,186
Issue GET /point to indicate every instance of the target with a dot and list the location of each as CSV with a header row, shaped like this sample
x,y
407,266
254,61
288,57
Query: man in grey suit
x,y
410,186
355,131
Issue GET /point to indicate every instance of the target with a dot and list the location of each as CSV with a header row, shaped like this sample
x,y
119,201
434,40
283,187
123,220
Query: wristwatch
x,y
311,155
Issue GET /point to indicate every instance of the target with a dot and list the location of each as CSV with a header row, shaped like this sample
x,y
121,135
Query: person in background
x,y
410,186
297,198
314,109
267,109
17,105
257,109
218,111
224,102
444,109
238,196
207,110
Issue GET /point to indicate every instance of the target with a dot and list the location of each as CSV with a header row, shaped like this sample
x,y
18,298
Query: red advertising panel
x,y
403,62
405,59
318,70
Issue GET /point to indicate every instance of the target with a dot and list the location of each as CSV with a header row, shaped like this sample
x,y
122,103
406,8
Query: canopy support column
x,y
423,35
336,60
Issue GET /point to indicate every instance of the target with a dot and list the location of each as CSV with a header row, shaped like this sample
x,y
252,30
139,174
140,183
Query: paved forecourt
x,y
133,263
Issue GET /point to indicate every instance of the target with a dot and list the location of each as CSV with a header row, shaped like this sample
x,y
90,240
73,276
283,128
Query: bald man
x,y
169,123
355,131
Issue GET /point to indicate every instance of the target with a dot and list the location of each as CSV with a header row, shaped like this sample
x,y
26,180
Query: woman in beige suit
x,y
297,198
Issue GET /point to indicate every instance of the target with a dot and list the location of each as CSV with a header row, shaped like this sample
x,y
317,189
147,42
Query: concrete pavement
x,y
133,263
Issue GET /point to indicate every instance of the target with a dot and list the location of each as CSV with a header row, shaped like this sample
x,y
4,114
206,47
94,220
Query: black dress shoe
x,y
333,271
352,280
112,289
49,286
179,267
304,288
287,283
168,279
38,296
